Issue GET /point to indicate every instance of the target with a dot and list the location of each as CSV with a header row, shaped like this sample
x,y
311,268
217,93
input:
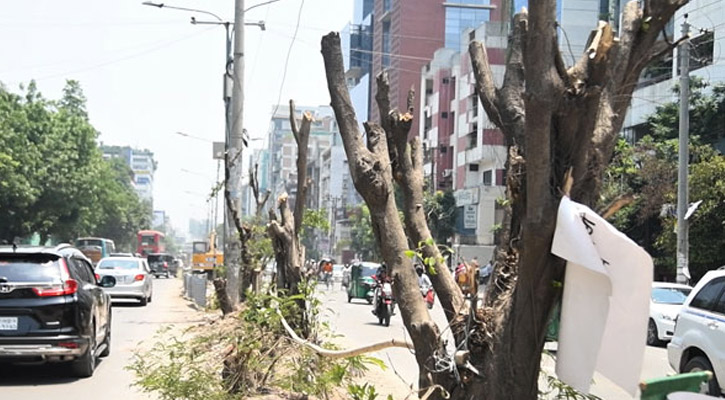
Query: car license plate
x,y
8,323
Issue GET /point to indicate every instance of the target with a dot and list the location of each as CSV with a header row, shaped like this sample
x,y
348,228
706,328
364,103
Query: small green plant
x,y
429,262
244,354
363,392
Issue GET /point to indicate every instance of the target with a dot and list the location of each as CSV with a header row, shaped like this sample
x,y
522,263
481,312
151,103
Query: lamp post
x,y
234,132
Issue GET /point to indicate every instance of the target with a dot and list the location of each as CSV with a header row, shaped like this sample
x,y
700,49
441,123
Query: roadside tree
x,y
560,126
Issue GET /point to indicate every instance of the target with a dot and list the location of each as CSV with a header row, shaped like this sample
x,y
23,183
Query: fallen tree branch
x,y
342,353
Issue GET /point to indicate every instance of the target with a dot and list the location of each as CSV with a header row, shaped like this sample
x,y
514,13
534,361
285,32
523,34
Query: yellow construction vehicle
x,y
206,257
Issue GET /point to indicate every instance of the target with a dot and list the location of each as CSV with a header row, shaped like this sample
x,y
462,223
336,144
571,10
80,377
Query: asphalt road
x,y
356,325
133,327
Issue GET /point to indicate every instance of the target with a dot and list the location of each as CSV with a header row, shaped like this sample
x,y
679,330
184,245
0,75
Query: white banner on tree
x,y
605,304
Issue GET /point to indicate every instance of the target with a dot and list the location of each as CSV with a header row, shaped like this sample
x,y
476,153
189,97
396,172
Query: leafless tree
x,y
285,231
560,125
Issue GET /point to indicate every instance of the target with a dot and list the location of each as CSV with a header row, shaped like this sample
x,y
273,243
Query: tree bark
x,y
259,199
289,253
220,288
554,120
372,177
407,161
569,121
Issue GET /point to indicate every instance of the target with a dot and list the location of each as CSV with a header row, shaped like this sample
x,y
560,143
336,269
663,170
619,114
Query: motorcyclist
x,y
425,286
381,276
423,280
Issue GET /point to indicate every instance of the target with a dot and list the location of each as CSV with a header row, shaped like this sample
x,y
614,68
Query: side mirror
x,y
107,281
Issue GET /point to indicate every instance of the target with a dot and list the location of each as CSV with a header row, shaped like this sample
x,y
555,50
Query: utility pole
x,y
684,157
233,160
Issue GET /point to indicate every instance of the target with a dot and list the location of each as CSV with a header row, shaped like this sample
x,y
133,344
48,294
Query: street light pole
x,y
234,132
684,156
233,160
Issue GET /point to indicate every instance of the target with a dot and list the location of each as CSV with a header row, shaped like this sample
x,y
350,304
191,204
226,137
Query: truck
x,y
205,256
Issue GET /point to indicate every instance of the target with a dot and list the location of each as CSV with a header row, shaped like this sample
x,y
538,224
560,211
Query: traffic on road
x,y
65,325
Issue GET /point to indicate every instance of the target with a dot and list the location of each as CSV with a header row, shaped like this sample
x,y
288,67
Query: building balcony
x,y
473,155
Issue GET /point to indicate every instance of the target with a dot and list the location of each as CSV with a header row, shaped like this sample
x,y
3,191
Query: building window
x,y
473,140
444,150
386,44
428,122
446,81
473,167
472,35
429,86
701,50
444,115
474,104
387,5
487,178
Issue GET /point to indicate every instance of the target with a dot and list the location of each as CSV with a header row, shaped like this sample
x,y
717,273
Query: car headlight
x,y
667,317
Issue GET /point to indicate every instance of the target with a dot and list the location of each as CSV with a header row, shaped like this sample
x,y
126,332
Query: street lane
x,y
355,322
131,325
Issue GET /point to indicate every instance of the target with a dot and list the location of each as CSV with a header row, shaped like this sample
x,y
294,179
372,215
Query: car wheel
x,y
107,340
701,363
349,298
652,335
84,366
144,301
148,300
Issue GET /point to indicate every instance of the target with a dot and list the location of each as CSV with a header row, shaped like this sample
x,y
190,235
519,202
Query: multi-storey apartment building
x,y
464,151
141,163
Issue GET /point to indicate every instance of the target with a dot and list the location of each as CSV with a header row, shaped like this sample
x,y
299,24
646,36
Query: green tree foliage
x,y
648,171
707,224
440,209
53,178
707,115
314,225
362,239
122,212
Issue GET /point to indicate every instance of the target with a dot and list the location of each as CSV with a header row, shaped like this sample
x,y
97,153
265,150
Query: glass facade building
x,y
460,18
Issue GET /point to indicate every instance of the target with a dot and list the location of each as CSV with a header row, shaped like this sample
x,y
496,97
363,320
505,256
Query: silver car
x,y
133,278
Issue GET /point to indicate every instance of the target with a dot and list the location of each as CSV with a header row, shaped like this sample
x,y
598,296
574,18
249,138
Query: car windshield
x,y
669,295
89,242
118,264
148,239
29,270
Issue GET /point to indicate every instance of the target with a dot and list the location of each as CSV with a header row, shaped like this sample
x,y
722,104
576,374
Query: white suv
x,y
699,340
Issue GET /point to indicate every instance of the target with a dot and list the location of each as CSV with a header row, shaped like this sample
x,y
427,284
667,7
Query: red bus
x,y
150,242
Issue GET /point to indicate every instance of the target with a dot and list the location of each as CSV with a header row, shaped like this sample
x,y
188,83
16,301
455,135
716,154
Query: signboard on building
x,y
466,197
469,216
159,218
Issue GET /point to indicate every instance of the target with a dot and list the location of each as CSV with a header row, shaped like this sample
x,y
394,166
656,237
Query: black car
x,y
162,264
52,309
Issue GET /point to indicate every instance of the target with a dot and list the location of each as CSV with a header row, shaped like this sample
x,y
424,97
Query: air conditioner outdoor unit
x,y
447,172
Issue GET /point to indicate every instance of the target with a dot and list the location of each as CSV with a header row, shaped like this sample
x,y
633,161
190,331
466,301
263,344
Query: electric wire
x,y
289,52
124,58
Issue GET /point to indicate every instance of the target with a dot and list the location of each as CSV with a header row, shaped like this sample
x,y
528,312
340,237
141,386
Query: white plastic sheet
x,y
605,304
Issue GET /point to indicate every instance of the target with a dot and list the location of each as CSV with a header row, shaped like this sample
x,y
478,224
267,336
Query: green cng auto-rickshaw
x,y
361,281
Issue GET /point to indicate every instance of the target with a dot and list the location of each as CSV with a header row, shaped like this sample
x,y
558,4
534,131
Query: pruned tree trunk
x,y
373,179
554,119
220,288
407,162
259,199
285,232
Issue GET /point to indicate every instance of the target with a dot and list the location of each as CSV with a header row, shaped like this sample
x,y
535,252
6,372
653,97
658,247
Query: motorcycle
x,y
428,296
383,307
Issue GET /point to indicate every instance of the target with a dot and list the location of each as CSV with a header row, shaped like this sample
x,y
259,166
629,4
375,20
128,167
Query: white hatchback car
x,y
133,278
699,340
665,302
